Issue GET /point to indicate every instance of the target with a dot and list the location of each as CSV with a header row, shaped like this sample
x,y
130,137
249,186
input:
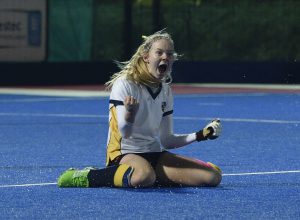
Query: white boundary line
x,y
225,174
53,92
242,120
50,99
27,185
52,115
247,120
261,173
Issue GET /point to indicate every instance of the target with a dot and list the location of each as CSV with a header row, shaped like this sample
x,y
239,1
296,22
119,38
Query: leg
x,y
143,174
112,176
177,170
132,171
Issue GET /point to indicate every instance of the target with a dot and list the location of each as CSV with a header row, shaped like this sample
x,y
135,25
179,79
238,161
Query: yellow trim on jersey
x,y
114,144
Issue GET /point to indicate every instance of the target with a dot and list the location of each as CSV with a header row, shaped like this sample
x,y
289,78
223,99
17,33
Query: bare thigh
x,y
173,169
143,174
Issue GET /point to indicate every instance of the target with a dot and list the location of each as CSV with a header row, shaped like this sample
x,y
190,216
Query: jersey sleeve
x,y
120,90
168,139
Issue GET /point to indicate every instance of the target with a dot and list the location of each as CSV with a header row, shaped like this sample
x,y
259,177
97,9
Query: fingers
x,y
130,100
214,128
131,104
216,125
216,120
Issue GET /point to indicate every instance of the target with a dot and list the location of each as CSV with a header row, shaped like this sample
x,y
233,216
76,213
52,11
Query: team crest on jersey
x,y
163,106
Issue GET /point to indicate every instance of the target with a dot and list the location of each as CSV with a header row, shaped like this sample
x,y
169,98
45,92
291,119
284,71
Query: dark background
x,y
220,41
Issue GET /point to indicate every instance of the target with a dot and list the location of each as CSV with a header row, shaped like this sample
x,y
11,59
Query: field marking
x,y
225,174
54,99
210,104
250,120
27,185
261,173
52,92
53,115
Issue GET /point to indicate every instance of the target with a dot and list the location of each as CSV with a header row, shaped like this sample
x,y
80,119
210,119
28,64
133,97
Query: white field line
x,y
225,174
47,99
261,173
247,120
53,115
52,92
243,120
27,185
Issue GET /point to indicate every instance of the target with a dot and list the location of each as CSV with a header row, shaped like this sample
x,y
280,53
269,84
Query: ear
x,y
146,58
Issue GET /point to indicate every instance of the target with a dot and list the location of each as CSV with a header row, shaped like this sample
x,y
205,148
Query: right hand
x,y
132,106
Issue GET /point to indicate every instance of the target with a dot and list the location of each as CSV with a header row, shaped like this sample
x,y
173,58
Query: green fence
x,y
70,30
207,30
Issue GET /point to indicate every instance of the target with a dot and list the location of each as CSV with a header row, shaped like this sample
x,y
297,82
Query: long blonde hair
x,y
136,69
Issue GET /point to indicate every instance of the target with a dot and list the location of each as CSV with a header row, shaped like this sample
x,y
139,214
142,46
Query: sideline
x,y
225,174
246,120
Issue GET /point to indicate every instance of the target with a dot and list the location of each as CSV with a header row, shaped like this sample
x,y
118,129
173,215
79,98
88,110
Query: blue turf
x,y
42,136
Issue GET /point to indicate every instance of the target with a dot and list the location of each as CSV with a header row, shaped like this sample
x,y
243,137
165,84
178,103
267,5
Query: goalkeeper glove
x,y
211,131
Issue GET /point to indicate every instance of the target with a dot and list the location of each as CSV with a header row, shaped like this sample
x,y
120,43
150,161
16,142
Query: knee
x,y
143,178
208,179
215,179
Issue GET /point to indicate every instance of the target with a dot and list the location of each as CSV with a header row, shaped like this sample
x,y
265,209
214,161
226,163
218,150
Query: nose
x,y
164,56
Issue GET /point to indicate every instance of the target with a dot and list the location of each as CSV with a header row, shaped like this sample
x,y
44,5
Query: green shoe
x,y
74,178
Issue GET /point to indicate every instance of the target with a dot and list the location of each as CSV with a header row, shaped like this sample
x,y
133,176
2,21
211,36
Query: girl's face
x,y
160,58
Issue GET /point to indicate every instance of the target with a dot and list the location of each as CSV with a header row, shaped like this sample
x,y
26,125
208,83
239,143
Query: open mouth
x,y
162,68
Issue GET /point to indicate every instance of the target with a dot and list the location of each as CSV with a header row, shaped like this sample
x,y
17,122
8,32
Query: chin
x,y
161,78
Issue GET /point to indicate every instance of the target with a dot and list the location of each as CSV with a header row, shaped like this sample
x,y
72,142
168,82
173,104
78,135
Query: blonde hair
x,y
136,69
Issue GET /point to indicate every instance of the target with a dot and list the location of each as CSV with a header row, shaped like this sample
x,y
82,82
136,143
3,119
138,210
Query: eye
x,y
170,54
159,53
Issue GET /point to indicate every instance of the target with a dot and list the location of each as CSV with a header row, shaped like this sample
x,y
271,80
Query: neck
x,y
149,80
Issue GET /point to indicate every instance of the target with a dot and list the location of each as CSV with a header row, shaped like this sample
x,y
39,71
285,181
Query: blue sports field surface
x,y
259,153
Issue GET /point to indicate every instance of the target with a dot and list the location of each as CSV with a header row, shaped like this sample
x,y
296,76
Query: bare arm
x,y
126,115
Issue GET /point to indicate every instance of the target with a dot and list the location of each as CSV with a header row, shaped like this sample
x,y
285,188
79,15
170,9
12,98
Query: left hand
x,y
211,131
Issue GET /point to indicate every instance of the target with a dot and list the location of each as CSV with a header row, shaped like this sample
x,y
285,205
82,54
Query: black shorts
x,y
152,158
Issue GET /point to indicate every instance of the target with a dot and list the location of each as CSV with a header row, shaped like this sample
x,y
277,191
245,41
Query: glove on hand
x,y
210,131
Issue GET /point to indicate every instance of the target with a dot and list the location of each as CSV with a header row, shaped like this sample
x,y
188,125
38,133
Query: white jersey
x,y
152,130
145,135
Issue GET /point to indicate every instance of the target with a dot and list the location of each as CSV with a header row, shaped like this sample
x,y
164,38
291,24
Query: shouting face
x,y
160,58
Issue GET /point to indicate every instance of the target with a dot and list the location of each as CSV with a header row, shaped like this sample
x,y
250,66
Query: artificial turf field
x,y
259,151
